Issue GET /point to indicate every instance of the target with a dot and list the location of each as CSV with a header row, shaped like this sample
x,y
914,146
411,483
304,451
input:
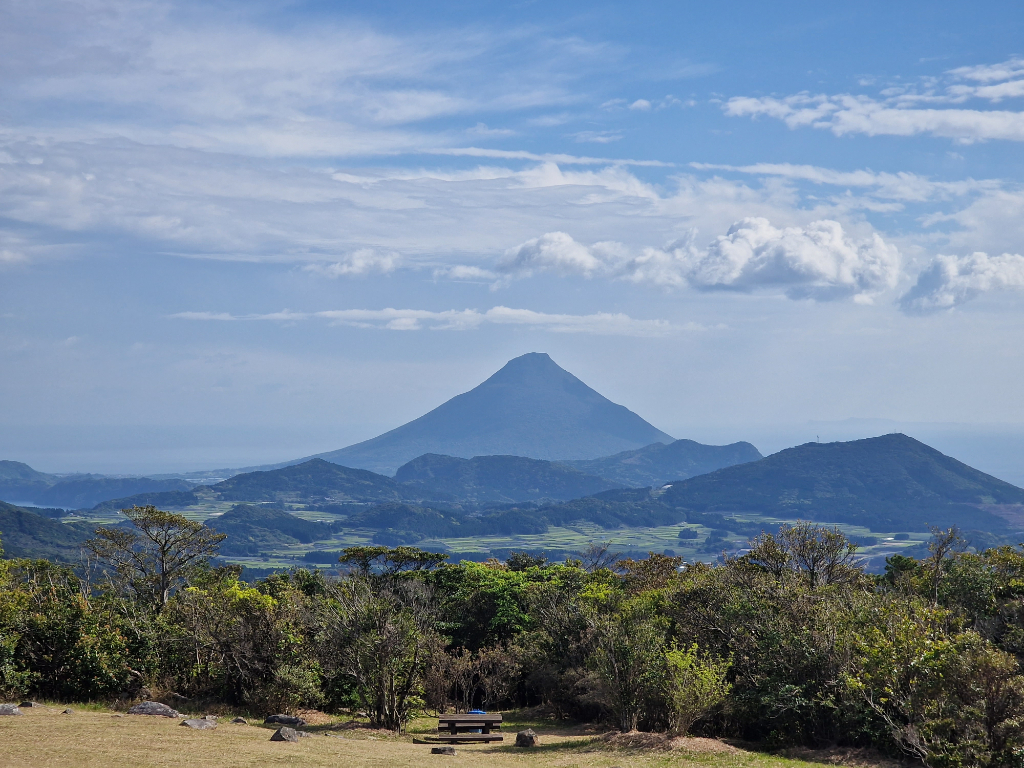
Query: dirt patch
x,y
662,741
845,756
316,717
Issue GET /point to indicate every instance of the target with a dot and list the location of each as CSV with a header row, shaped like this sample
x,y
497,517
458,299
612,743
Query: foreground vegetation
x,y
791,644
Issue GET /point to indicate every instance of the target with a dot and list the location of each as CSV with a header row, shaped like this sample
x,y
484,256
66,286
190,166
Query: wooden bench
x,y
454,729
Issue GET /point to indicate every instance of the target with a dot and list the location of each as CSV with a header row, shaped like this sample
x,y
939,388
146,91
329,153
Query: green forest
x,y
790,643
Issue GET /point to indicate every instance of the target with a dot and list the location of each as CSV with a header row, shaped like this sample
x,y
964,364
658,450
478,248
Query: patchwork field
x,y
98,738
573,538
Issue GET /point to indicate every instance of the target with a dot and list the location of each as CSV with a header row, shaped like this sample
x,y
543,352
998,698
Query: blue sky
x,y
234,233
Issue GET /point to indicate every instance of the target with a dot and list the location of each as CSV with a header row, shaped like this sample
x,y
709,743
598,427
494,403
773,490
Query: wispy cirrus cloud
x,y
599,323
906,110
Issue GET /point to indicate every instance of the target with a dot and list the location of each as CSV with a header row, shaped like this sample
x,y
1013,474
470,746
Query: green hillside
x,y
661,463
23,533
891,482
500,479
315,480
256,528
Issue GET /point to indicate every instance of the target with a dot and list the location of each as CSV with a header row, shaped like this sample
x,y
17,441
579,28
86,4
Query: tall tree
x,y
158,553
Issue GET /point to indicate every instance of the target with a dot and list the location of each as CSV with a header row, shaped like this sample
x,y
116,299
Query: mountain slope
x,y
313,480
659,463
498,479
531,407
888,483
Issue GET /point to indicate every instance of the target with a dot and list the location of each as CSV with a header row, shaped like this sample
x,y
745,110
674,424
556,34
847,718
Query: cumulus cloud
x,y
553,251
819,260
600,323
952,280
899,111
642,105
364,261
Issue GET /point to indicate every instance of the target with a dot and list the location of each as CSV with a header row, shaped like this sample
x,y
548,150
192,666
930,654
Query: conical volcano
x,y
531,407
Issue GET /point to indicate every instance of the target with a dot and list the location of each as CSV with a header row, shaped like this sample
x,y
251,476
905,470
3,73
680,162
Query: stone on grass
x,y
284,720
153,708
442,750
68,712
200,725
239,721
527,738
29,704
284,733
9,709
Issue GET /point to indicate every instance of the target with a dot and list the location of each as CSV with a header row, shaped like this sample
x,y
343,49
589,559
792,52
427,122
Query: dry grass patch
x,y
44,738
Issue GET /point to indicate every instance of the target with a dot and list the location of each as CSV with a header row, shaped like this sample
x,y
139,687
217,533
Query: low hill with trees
x,y
498,479
661,463
886,483
313,480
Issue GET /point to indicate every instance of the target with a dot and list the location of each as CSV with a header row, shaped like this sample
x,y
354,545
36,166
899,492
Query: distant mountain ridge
x,y
531,408
659,463
22,484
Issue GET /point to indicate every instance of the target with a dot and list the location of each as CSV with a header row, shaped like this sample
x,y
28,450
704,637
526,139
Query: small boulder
x,y
284,720
29,704
442,751
153,708
68,712
200,725
527,738
210,717
284,733
240,721
9,709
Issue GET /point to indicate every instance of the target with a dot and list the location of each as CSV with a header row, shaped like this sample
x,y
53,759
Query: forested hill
x,y
531,407
23,533
887,483
660,463
498,479
315,479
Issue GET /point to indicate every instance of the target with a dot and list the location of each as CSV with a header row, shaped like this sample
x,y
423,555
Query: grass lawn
x,y
96,738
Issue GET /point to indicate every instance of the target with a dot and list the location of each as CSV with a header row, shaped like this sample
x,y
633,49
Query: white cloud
x,y
597,137
465,272
899,112
819,260
642,105
600,323
557,252
899,186
952,280
364,261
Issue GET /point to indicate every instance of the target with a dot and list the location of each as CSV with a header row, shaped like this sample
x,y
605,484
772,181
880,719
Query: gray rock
x,y
284,720
442,750
200,725
9,709
210,717
284,733
527,738
240,721
29,704
153,708
304,734
68,712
